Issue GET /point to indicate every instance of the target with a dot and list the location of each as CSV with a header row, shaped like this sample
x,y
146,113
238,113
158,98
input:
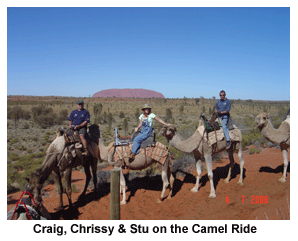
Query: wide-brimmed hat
x,y
146,106
80,102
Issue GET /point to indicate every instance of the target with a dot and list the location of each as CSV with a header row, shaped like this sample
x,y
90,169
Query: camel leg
x,y
285,157
88,178
171,179
94,170
58,182
199,171
241,162
165,183
208,159
232,162
67,175
122,187
166,180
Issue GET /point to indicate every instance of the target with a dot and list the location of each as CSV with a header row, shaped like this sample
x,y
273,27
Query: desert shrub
x,y
110,119
63,115
14,157
217,157
46,120
121,115
137,114
97,108
45,116
125,125
13,141
103,176
181,109
17,113
169,116
254,150
184,165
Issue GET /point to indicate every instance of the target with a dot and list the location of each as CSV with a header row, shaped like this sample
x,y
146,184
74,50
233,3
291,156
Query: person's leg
x,y
226,131
136,144
82,133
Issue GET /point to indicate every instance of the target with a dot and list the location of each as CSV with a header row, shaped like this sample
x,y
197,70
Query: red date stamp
x,y
259,199
254,199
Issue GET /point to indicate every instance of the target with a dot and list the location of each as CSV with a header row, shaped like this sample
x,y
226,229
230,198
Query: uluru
x,y
129,93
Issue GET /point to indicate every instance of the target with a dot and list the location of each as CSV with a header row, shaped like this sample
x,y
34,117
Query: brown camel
x,y
280,136
65,165
200,148
140,162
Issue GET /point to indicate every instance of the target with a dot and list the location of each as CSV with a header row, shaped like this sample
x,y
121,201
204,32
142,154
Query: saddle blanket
x,y
159,152
59,143
211,138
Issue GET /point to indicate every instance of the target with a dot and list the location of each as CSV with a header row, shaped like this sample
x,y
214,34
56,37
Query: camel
x,y
200,148
139,163
279,136
65,165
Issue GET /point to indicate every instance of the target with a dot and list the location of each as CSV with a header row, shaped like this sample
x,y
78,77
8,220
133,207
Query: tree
x,y
97,108
125,126
137,114
169,115
17,113
110,120
181,109
121,115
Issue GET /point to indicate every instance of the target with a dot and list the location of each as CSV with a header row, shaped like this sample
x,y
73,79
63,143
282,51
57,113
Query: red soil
x,y
261,175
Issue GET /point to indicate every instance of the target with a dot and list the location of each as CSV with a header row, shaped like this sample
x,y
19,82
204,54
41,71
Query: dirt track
x,y
261,174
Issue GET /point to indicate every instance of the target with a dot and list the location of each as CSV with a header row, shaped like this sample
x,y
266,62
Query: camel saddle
x,y
125,141
72,136
214,124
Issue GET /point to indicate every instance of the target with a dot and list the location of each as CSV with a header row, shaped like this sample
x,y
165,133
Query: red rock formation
x,y
130,93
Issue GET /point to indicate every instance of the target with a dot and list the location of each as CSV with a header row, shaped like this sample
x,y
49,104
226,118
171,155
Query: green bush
x,y
254,150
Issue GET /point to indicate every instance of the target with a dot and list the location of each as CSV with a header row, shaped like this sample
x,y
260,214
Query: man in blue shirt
x,y
79,119
223,107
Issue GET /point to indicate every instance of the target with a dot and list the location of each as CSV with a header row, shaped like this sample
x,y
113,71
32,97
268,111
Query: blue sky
x,y
179,52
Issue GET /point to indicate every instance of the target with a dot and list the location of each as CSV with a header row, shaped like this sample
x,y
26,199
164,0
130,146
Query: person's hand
x,y
136,129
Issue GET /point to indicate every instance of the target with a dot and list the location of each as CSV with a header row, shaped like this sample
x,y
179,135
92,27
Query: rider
x,y
79,119
223,107
146,121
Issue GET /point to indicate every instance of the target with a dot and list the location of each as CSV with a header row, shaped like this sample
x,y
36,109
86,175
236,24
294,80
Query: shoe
x,y
228,145
132,156
85,153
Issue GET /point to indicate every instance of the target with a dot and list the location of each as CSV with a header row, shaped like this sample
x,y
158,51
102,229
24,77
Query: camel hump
x,y
287,120
58,144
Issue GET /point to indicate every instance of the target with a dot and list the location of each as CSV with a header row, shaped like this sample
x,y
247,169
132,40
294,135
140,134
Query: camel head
x,y
168,131
262,120
35,187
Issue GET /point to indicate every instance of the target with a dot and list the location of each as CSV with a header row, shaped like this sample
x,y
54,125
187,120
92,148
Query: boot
x,y
132,157
85,153
228,145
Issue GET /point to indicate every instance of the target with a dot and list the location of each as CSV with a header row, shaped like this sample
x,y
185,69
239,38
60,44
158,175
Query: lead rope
x,y
20,202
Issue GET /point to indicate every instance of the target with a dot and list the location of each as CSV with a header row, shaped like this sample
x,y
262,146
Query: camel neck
x,y
187,145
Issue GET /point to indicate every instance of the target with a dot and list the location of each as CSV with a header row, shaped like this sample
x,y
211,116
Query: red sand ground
x,y
261,175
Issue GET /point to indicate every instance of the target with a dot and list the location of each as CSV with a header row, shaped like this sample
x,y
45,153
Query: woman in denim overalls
x,y
146,121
